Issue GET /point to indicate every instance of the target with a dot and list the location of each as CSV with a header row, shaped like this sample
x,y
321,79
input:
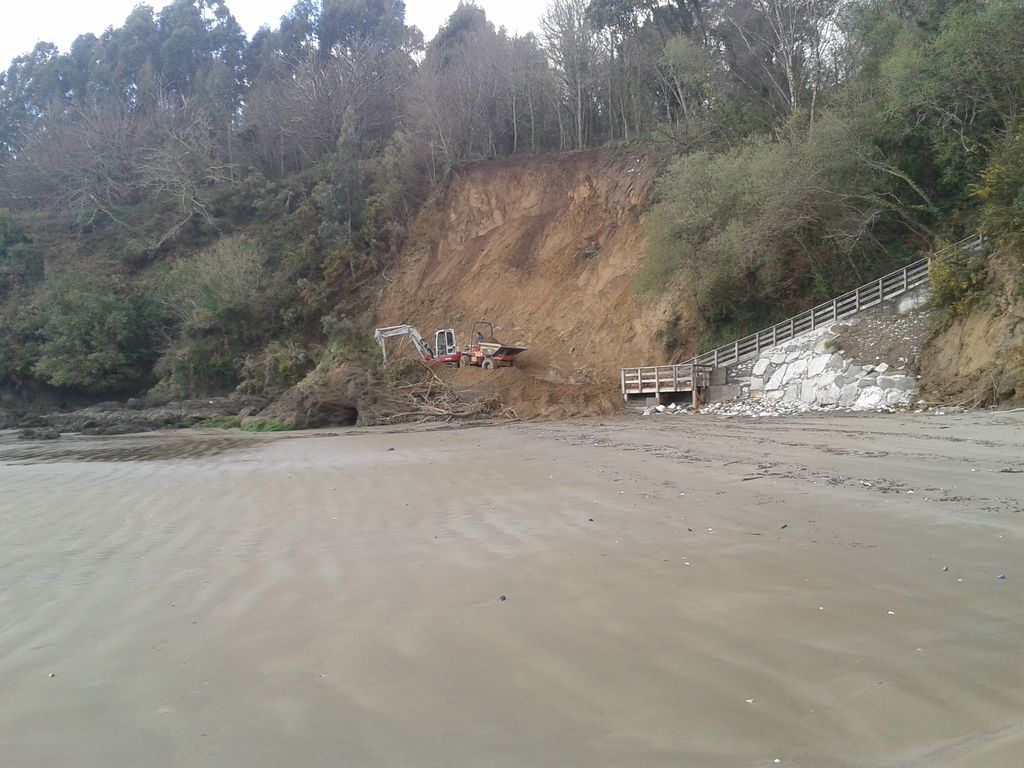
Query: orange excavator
x,y
483,349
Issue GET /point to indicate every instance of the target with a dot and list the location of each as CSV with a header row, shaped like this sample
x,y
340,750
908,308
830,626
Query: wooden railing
x,y
872,294
655,379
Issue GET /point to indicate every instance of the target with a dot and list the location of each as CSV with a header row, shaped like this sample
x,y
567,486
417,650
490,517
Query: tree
x,y
782,52
94,335
571,44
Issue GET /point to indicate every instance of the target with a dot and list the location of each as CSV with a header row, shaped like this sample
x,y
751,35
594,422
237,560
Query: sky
x,y
61,21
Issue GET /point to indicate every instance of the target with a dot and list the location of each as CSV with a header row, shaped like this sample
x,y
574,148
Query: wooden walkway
x,y
665,379
659,379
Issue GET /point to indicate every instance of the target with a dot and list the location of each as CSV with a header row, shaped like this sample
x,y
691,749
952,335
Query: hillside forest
x,y
187,211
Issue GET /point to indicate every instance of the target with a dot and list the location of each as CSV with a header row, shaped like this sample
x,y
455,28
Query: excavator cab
x,y
444,342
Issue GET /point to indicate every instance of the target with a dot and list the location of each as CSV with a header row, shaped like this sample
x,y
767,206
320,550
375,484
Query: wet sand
x,y
688,591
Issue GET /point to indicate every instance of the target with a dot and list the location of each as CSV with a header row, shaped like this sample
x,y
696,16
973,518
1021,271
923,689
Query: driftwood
x,y
431,398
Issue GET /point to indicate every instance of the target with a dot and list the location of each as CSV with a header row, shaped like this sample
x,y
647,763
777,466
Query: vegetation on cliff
x,y
187,209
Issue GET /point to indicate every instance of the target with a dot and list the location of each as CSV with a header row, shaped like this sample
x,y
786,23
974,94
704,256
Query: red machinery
x,y
483,349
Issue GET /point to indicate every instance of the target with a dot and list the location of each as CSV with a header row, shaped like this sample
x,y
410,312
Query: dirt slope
x,y
979,359
546,248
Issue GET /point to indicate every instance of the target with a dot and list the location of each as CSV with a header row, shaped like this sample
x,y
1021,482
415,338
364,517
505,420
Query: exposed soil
x,y
546,248
882,337
979,359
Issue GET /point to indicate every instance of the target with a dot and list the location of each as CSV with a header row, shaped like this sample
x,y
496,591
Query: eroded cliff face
x,y
979,359
546,248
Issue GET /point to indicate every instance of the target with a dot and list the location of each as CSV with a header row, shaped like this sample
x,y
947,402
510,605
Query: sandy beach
x,y
689,591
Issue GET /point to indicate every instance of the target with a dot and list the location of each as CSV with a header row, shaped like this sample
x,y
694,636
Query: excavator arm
x,y
403,330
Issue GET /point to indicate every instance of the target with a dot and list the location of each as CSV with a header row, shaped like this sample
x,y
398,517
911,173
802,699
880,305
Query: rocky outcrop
x,y
340,397
140,416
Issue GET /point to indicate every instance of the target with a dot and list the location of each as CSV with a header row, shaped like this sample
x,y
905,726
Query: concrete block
x,y
718,393
756,383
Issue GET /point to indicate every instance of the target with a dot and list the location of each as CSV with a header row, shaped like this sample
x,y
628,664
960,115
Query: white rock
x,y
761,366
777,379
897,397
849,395
818,364
828,394
659,408
882,367
796,370
837,363
870,397
756,383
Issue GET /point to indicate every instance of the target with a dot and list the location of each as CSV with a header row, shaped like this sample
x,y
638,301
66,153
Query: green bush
x,y
219,422
265,425
1001,192
280,365
199,367
958,281
21,263
766,227
218,307
95,336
